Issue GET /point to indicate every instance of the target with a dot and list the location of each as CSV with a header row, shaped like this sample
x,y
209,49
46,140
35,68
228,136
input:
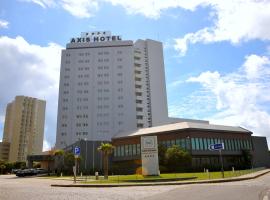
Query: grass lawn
x,y
133,178
198,175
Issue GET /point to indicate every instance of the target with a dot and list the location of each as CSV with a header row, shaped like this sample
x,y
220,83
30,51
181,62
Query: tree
x,y
59,160
161,158
2,167
106,150
69,161
177,159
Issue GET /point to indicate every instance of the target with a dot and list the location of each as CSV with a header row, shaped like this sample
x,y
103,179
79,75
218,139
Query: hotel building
x,y
108,86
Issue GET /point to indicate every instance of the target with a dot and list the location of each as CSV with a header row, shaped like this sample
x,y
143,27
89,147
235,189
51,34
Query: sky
x,y
216,53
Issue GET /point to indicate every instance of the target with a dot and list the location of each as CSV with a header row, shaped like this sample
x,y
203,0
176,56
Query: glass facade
x,y
199,144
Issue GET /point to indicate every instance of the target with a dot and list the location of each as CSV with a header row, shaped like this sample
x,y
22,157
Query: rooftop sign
x,y
98,36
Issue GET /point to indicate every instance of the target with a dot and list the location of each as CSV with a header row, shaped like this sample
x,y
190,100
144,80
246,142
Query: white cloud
x,y
254,66
241,97
30,70
3,23
80,8
234,21
43,3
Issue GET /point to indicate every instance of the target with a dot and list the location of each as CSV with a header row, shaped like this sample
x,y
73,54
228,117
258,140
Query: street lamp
x,y
85,160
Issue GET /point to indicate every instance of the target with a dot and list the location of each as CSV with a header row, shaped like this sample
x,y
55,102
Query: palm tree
x,y
106,150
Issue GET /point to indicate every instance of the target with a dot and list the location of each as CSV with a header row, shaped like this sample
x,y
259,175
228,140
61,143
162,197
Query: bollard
x,y
208,174
96,174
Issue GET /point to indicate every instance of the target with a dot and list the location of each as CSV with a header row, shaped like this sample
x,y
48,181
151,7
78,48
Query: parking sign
x,y
77,150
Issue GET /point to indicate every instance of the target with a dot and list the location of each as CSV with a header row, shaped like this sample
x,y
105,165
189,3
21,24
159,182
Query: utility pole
x,y
221,162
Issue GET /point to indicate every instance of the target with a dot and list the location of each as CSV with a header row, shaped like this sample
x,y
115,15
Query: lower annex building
x,y
194,138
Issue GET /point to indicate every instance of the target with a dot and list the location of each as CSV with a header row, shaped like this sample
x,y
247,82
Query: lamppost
x,y
85,159
93,145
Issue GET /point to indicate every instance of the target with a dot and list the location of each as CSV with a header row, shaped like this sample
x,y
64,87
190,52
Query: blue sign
x,y
218,146
77,150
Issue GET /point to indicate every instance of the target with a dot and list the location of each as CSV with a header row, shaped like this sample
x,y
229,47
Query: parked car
x,y
14,171
41,171
26,172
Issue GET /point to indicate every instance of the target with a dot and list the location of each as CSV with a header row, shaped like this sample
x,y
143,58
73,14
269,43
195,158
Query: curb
x,y
159,184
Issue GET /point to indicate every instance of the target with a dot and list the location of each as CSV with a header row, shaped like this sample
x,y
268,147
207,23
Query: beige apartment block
x,y
4,150
24,127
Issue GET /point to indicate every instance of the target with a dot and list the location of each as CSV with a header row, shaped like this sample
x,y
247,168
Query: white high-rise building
x,y
109,85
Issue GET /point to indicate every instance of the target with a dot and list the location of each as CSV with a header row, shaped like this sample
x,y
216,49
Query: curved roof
x,y
182,126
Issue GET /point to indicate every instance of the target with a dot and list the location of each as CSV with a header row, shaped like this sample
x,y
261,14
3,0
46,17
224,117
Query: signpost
x,y
149,153
77,151
219,147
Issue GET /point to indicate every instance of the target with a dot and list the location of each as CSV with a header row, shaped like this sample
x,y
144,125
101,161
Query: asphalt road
x,y
13,188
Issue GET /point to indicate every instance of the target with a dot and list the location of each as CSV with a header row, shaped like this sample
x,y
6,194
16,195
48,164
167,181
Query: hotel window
x,y
119,66
172,142
205,144
115,152
139,109
201,144
178,142
138,101
212,141
138,149
197,145
119,59
126,150
134,149
193,143
183,143
239,145
118,149
139,117
232,144
139,125
215,141
235,144
122,150
130,150
168,144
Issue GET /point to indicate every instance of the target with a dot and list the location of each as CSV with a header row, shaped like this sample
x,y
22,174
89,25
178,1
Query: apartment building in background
x,y
23,129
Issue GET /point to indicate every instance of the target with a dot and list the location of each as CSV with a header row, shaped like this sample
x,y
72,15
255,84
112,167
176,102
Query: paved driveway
x,y
13,188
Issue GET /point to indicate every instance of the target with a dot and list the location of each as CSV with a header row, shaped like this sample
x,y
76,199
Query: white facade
x,y
150,83
109,86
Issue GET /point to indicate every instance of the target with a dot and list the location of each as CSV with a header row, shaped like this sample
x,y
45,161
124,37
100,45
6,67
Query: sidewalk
x,y
239,178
